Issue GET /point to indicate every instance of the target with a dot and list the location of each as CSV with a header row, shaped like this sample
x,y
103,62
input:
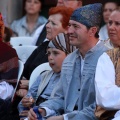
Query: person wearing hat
x,y
74,96
41,89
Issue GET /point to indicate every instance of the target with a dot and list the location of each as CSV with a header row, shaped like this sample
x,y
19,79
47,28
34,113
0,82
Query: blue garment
x,y
75,88
46,81
20,27
52,82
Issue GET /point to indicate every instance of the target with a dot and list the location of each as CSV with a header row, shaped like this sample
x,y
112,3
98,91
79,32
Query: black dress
x,y
38,56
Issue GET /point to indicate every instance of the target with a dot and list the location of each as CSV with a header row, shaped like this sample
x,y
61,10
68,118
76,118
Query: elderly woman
x,y
57,22
27,25
109,6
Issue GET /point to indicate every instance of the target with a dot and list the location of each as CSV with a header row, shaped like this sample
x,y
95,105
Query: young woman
x,y
27,25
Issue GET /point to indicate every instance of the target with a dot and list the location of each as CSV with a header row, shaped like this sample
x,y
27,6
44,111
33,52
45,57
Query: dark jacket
x,y
37,57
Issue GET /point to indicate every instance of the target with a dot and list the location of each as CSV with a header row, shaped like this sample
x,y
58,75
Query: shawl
x,y
8,64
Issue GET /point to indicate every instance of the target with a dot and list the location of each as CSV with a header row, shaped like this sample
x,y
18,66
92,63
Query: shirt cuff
x,y
49,112
65,117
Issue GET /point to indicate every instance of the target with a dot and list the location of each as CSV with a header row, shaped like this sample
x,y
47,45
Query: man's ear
x,y
93,30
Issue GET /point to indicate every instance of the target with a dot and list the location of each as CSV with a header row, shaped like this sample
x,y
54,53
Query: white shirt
x,y
6,90
37,33
107,92
103,33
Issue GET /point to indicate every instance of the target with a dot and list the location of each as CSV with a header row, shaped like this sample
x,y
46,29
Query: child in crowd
x,y
42,88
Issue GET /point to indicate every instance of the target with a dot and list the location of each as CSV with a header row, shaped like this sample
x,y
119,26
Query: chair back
x,y
24,52
39,69
20,71
20,41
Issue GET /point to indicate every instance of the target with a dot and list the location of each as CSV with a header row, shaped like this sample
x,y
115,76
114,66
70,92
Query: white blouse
x,y
6,90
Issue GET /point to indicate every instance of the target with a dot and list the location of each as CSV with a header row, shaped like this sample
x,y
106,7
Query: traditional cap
x,y
1,27
61,42
88,15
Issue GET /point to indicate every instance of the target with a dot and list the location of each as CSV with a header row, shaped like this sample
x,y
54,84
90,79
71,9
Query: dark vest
x,y
38,57
41,37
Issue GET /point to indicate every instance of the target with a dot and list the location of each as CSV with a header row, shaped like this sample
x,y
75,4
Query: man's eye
x,y
76,26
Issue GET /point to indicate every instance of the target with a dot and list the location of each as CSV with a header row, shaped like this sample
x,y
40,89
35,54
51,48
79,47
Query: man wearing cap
x,y
75,93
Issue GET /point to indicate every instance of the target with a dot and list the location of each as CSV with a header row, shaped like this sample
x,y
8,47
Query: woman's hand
x,y
24,84
21,92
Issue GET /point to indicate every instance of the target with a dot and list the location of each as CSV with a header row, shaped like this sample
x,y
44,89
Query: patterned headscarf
x,y
61,42
1,27
88,15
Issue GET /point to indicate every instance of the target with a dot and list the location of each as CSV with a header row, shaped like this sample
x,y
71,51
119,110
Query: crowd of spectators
x,y
83,55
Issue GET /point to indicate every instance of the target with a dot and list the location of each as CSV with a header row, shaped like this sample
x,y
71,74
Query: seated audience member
x,y
27,25
8,73
109,6
40,33
41,90
74,96
57,23
108,88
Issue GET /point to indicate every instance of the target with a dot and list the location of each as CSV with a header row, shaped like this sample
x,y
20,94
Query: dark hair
x,y
8,34
24,11
39,0
96,34
66,12
112,1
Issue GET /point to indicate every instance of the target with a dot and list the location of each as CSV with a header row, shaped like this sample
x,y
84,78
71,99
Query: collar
x,y
89,51
57,74
24,22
